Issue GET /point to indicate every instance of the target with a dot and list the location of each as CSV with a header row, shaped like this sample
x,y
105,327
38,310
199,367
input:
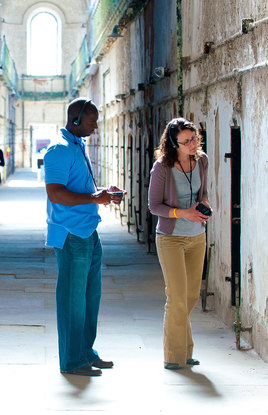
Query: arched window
x,y
44,43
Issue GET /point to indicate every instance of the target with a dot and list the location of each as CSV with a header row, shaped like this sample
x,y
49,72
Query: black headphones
x,y
186,124
172,125
77,121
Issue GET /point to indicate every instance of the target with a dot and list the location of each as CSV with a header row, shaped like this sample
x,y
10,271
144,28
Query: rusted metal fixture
x,y
115,31
120,96
204,293
208,47
139,228
141,87
246,25
161,72
238,328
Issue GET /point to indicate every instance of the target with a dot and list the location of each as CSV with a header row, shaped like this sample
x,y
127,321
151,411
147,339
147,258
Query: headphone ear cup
x,y
77,121
174,145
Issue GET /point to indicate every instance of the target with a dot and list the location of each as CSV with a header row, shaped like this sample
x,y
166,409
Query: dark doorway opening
x,y
131,179
235,210
203,133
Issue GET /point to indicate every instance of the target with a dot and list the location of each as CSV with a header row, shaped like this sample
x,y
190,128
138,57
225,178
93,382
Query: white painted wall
x,y
220,103
254,202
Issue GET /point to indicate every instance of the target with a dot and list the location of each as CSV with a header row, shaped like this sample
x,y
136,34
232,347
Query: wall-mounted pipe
x,y
204,293
187,61
231,75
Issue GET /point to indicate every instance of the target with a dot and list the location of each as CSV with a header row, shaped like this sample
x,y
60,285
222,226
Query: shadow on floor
x,y
79,383
205,385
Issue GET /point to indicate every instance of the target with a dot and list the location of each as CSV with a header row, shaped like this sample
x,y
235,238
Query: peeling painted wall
x,y
225,76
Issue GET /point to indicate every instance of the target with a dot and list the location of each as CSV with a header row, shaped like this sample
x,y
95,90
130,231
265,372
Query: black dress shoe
x,y
101,364
84,371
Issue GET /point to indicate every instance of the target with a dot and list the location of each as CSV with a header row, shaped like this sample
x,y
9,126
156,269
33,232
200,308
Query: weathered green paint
x,y
109,13
28,90
103,13
9,70
78,74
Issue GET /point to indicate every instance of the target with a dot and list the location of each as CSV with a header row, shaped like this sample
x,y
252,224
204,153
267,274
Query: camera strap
x,y
88,164
189,180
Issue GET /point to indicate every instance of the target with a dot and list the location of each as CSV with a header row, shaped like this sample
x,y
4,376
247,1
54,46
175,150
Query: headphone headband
x,y
171,125
77,122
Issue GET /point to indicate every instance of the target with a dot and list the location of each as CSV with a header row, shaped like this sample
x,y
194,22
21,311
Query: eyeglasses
x,y
188,142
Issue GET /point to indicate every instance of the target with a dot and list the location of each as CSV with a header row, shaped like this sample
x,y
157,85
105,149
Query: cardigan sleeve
x,y
156,191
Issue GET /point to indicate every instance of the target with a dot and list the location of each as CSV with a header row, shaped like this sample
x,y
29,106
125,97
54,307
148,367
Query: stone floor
x,y
130,330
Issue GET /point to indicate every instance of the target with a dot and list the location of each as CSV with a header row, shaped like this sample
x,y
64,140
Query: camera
x,y
204,209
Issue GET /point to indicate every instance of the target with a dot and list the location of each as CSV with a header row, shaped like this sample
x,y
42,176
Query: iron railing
x,y
78,73
43,88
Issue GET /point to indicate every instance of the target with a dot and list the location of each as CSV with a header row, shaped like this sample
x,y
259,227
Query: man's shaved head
x,y
75,107
87,119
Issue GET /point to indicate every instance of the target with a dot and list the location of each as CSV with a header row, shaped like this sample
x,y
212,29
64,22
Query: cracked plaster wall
x,y
216,93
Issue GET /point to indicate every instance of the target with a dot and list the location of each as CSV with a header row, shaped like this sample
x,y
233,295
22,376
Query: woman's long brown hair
x,y
166,148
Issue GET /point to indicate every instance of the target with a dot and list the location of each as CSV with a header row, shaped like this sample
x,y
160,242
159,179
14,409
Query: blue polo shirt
x,y
65,164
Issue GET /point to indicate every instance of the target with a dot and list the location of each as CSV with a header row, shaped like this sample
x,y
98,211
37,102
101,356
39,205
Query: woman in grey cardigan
x,y
178,185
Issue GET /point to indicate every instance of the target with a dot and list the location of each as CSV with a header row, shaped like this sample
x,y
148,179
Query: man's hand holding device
x,y
116,194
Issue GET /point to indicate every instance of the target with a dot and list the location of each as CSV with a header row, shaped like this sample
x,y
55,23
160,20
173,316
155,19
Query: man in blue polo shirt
x,y
72,218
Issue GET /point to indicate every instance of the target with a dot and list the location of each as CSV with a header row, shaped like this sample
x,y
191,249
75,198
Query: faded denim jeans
x,y
78,298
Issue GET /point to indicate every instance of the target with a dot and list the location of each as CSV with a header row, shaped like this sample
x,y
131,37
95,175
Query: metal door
x,y
235,210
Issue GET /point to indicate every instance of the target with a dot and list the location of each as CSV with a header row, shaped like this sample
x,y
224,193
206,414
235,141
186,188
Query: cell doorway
x,y
41,136
235,213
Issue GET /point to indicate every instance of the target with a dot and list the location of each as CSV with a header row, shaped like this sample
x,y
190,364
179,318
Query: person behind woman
x,y
178,184
2,163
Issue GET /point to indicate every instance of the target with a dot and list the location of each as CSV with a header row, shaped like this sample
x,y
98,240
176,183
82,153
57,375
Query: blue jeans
x,y
78,298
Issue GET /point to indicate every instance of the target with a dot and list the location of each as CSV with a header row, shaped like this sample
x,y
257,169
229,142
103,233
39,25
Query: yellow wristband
x,y
174,212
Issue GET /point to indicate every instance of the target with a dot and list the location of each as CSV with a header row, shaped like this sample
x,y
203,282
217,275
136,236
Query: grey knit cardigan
x,y
163,194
